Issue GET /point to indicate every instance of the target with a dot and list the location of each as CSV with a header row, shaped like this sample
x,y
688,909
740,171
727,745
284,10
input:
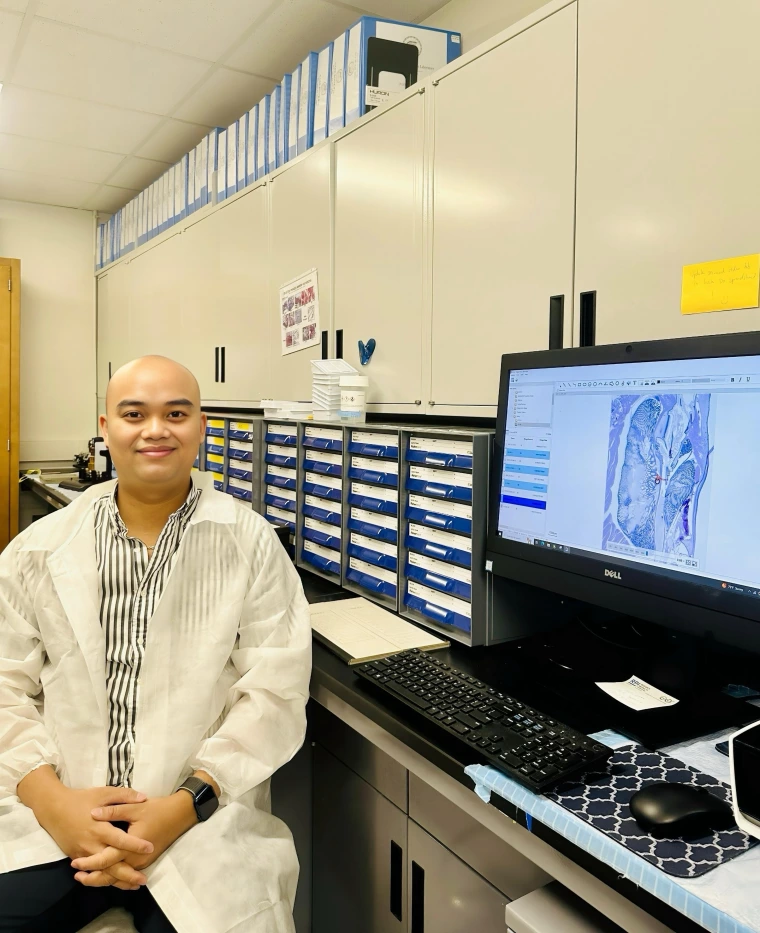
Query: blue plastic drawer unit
x,y
323,461
448,516
373,498
239,469
376,580
280,476
240,450
284,434
374,470
215,464
443,484
322,509
374,444
440,452
372,551
215,445
373,525
240,431
218,479
281,498
279,455
321,533
320,438
439,607
323,558
439,544
320,522
240,488
280,516
438,575
326,487
216,427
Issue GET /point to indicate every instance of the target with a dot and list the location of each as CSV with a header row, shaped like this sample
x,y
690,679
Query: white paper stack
x,y
325,387
287,410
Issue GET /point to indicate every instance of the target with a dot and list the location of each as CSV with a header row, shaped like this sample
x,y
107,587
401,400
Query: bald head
x,y
150,370
153,426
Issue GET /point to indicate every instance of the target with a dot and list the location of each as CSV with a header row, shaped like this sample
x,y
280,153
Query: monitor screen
x,y
647,466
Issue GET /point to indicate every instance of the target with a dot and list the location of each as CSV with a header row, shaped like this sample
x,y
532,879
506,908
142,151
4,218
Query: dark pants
x,y
47,899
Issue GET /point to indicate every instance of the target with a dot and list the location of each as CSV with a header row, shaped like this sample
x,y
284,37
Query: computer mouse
x,y
680,811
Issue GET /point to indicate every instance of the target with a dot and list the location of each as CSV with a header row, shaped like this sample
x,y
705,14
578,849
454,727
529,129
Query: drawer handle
x,y
397,860
556,321
418,899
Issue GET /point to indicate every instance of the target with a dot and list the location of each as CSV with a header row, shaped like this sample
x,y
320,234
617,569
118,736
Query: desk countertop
x,y
499,667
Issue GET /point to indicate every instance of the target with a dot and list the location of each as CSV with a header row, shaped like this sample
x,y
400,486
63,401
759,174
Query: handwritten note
x,y
721,285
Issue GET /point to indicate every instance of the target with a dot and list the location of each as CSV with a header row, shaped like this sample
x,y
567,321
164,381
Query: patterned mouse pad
x,y
602,797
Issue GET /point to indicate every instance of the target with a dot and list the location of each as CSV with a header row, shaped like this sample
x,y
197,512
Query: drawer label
x,y
320,480
325,433
375,518
461,543
379,466
440,568
378,572
440,599
324,504
374,492
441,506
382,547
446,478
440,445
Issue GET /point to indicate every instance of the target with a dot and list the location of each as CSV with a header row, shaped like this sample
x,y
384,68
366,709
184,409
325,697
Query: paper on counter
x,y
638,694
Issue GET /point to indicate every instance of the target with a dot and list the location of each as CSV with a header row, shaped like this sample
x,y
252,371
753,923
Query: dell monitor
x,y
628,477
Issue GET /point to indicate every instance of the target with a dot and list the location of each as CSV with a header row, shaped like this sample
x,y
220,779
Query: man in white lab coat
x,y
155,653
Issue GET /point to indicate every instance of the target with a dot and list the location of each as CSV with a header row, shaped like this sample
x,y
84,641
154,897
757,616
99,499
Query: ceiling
x,y
100,96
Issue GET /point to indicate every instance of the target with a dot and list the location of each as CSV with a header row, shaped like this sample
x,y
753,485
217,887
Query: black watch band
x,y
205,800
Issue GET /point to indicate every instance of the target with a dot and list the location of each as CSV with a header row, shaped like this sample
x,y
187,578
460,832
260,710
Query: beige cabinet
x,y
379,267
155,305
237,313
113,324
503,209
300,234
668,149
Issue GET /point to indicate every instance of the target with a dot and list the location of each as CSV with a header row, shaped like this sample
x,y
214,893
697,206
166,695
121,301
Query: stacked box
x,y
322,94
307,89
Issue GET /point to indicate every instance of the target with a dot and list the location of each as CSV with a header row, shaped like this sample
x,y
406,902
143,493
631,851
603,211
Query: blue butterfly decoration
x,y
366,350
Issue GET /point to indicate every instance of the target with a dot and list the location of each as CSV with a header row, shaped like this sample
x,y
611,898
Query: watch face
x,y
205,802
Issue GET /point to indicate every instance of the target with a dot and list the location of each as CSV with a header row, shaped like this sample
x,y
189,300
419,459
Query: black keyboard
x,y
524,743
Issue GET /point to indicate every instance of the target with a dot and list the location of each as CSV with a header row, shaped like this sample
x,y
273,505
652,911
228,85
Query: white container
x,y
353,397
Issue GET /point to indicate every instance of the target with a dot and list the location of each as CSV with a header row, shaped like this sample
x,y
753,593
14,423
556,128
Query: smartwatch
x,y
205,800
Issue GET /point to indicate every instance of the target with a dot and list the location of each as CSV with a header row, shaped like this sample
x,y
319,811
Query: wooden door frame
x,y
15,383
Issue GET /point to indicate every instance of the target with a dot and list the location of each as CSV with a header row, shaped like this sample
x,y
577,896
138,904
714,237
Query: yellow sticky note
x,y
721,285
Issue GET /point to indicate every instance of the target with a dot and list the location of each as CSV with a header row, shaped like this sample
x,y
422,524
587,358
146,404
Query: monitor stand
x,y
599,647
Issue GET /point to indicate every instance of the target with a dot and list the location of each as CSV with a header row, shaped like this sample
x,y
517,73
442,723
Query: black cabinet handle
x,y
224,364
418,899
339,344
588,319
109,370
324,344
216,364
397,859
556,322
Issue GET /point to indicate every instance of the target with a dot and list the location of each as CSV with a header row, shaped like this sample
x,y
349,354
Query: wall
x,y
478,20
55,246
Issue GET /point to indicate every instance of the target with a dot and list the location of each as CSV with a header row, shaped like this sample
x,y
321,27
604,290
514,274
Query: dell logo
x,y
615,574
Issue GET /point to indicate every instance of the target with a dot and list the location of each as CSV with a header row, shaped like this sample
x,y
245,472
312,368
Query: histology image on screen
x,y
658,461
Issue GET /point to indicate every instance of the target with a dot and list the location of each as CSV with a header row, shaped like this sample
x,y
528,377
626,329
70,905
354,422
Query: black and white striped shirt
x,y
131,583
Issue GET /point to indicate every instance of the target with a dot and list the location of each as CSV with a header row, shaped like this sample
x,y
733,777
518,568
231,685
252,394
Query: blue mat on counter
x,y
601,798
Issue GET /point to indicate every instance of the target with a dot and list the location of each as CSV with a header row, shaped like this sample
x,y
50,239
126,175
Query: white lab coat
x,y
223,687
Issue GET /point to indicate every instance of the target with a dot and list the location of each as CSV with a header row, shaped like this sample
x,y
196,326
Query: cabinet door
x,y
445,894
300,235
359,843
239,319
504,184
379,252
155,308
668,151
114,347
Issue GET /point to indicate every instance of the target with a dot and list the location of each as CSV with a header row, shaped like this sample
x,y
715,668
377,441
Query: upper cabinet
x,y
503,209
238,312
300,239
379,269
668,150
113,347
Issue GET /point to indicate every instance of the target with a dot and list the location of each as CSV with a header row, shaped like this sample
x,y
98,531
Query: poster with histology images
x,y
299,310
